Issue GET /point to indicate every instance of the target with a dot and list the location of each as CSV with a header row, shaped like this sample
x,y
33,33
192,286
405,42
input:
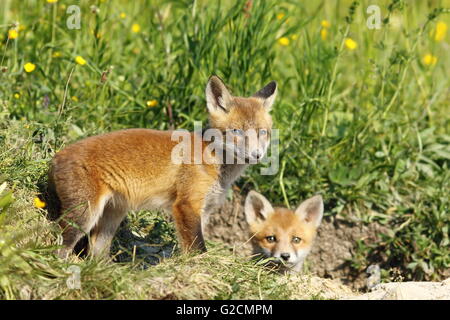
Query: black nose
x,y
257,154
285,256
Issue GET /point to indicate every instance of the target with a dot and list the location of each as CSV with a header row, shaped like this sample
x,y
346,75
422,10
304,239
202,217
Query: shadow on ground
x,y
144,237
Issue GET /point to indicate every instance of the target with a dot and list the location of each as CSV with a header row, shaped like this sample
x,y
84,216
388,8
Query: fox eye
x,y
238,132
262,132
296,239
271,239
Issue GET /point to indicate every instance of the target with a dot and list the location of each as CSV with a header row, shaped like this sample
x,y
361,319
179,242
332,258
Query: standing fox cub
x,y
99,179
281,233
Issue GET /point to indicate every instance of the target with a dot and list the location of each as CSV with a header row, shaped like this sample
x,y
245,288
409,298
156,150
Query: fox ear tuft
x,y
268,94
217,95
311,210
257,207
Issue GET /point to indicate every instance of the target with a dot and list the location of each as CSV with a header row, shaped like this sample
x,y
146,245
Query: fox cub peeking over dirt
x,y
281,233
99,179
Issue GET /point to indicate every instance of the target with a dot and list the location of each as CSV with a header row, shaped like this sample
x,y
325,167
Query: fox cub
x,y
281,233
99,179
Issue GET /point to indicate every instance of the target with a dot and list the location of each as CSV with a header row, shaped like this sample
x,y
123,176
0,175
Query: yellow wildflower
x,y
280,16
16,95
98,35
75,99
38,203
152,103
52,1
56,54
122,15
350,44
323,34
284,41
80,60
13,34
440,31
29,67
325,24
429,59
135,28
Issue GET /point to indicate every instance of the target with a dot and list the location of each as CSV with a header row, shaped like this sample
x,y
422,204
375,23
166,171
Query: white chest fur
x,y
216,196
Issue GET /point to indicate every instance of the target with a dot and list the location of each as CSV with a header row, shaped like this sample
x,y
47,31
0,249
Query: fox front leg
x,y
187,216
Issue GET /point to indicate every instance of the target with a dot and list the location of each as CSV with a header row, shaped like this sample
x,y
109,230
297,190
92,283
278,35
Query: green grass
x,y
368,128
29,268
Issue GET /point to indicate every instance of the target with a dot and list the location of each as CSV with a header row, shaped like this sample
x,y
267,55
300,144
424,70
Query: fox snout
x,y
281,258
246,146
256,145
285,256
257,154
282,234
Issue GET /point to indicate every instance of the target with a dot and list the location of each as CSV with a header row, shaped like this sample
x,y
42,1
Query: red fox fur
x,y
283,234
99,179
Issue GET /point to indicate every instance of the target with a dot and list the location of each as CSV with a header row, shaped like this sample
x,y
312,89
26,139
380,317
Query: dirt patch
x,y
407,291
336,245
330,257
228,225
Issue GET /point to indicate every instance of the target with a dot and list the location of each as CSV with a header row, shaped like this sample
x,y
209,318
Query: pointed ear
x,y
256,208
267,94
311,210
218,98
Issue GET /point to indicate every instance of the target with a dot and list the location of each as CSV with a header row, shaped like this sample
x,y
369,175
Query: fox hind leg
x,y
103,233
77,220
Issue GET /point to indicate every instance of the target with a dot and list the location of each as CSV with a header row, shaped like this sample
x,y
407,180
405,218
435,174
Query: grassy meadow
x,y
363,114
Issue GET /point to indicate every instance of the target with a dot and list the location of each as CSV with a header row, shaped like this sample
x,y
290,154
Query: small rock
x,y
408,291
374,276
